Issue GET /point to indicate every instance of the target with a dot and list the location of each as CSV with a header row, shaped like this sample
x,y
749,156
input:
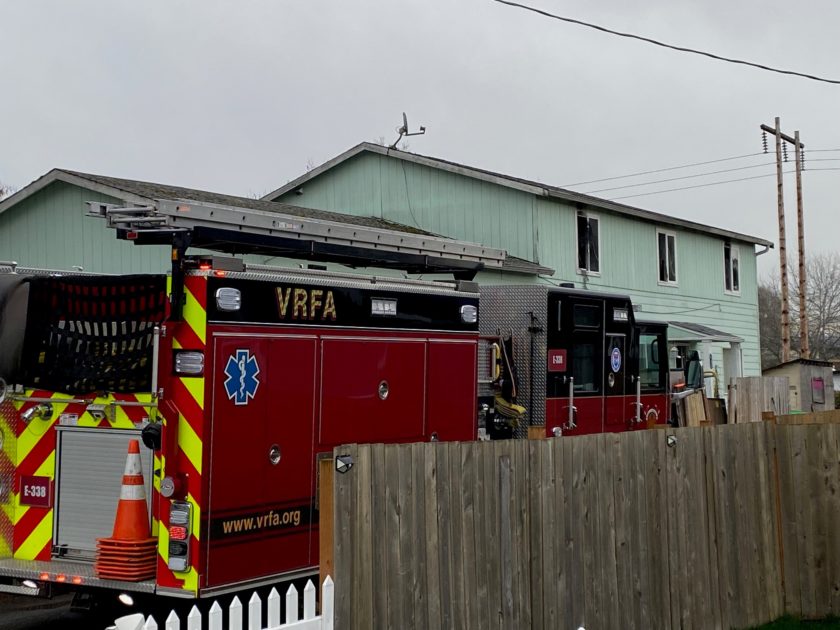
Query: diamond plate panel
x,y
506,311
8,456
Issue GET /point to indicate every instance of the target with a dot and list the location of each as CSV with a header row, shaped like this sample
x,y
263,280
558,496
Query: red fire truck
x,y
239,377
583,363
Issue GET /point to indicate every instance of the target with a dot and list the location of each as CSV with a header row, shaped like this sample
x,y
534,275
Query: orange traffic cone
x,y
132,521
130,554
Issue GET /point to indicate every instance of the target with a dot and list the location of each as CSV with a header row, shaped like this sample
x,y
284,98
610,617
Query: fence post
x,y
291,604
255,612
215,617
326,470
328,604
194,619
273,608
235,614
309,600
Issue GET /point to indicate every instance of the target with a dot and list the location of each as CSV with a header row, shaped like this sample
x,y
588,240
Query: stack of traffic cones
x,y
131,553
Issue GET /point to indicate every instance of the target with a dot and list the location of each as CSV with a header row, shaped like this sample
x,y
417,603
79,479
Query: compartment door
x,y
261,457
617,408
373,390
89,468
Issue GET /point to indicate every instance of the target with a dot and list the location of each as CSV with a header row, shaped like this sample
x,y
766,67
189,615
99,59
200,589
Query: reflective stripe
x,y
189,443
195,386
132,493
133,465
195,316
41,535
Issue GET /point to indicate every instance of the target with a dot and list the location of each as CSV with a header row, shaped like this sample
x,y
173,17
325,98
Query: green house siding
x,y
544,230
434,200
49,230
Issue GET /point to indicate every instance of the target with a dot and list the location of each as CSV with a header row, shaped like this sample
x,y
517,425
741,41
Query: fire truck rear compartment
x,y
89,468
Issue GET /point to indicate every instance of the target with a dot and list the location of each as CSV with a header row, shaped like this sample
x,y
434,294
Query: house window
x,y
667,247
589,243
731,268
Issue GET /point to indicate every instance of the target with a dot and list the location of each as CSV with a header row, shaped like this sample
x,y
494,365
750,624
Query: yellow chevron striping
x,y
34,432
195,386
47,468
195,316
189,442
40,536
11,509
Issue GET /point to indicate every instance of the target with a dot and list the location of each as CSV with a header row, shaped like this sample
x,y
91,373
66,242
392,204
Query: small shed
x,y
811,383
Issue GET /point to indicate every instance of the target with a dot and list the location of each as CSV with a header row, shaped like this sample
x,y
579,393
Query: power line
x,y
671,46
663,170
707,173
718,183
674,179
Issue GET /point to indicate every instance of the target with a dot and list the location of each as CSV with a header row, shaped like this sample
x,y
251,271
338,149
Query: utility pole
x,y
804,351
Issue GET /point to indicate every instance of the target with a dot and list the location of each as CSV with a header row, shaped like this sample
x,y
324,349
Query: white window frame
x,y
734,253
676,281
581,271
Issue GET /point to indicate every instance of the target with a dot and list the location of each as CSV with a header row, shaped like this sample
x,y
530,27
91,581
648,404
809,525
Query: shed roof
x,y
518,183
139,192
800,361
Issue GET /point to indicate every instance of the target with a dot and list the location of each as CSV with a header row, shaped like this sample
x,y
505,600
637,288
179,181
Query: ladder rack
x,y
239,230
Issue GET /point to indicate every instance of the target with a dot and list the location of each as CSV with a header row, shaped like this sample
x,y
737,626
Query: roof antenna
x,y
403,131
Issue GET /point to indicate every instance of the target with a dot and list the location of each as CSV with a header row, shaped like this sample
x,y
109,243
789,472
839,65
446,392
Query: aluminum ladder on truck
x,y
242,230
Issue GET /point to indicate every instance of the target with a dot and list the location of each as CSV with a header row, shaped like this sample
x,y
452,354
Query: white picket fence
x,y
310,620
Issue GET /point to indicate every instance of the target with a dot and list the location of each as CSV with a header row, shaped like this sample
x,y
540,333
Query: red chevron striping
x,y
27,524
197,286
165,576
188,407
46,552
135,414
38,455
187,337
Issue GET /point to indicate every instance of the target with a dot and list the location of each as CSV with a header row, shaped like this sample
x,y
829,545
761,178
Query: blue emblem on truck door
x,y
615,360
241,383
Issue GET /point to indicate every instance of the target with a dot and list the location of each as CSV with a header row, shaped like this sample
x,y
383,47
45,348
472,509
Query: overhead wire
x,y
718,183
656,42
674,179
663,170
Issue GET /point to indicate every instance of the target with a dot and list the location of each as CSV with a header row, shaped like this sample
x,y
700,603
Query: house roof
x,y
135,191
518,183
139,192
687,331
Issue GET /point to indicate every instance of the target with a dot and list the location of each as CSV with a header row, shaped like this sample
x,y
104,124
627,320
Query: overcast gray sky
x,y
237,97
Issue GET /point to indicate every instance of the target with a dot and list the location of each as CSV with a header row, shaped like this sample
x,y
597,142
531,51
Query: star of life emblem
x,y
241,383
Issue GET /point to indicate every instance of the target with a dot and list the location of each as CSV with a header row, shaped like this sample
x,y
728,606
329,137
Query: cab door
x,y
261,456
616,411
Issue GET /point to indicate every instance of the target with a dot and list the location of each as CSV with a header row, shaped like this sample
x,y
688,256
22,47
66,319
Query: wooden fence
x,y
712,527
216,618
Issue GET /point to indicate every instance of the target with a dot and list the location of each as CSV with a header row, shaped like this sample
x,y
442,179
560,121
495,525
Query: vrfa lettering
x,y
306,304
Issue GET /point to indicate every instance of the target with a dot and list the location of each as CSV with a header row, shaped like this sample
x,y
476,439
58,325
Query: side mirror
x,y
694,372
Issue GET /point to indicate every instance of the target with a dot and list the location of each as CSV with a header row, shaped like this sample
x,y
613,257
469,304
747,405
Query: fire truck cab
x,y
582,361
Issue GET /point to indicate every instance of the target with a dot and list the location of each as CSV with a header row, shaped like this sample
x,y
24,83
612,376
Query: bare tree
x,y
770,323
5,190
823,304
